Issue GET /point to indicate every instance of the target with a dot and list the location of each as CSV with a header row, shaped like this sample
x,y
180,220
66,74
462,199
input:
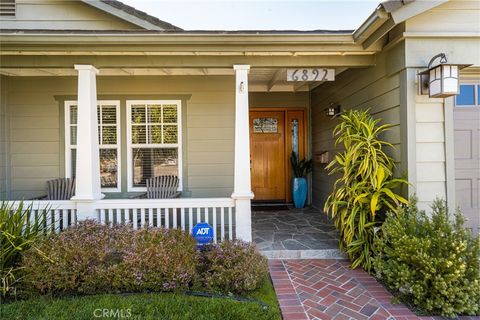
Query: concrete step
x,y
304,254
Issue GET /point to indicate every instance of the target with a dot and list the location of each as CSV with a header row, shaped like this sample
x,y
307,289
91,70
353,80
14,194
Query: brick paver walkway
x,y
328,289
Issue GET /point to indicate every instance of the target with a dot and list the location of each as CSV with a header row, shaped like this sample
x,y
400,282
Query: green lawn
x,y
156,306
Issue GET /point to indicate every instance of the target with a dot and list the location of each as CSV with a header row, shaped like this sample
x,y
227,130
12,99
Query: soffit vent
x,y
7,8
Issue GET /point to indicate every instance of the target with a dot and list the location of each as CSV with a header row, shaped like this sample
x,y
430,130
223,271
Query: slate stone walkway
x,y
327,289
294,229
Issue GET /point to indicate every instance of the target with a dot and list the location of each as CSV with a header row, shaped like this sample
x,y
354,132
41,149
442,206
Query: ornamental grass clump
x,y
431,262
365,188
18,234
232,267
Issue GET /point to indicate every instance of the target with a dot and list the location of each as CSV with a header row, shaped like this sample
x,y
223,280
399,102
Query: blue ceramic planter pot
x,y
299,192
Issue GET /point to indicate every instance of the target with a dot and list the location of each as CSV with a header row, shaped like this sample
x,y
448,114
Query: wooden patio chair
x,y
60,189
161,187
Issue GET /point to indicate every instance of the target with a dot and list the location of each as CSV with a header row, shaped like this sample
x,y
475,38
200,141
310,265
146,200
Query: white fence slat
x,y
135,218
230,224
150,217
127,216
222,223
56,219
214,212
142,217
167,217
65,214
190,220
135,212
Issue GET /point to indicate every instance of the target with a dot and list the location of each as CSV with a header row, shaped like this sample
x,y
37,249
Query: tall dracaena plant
x,y
365,187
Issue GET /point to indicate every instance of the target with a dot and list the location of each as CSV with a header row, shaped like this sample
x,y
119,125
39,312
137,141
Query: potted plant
x,y
300,171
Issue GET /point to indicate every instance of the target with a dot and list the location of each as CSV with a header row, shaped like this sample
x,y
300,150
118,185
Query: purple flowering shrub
x,y
93,258
78,260
157,260
232,267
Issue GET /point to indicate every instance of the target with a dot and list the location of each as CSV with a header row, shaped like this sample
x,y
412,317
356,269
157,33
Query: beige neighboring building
x,y
112,96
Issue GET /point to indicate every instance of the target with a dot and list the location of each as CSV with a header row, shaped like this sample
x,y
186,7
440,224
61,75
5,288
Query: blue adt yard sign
x,y
203,233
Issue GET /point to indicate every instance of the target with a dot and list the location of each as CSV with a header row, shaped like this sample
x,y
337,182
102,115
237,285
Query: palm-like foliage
x,y
300,168
18,233
365,185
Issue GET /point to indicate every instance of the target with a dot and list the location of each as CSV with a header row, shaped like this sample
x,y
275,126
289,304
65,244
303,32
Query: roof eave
x,y
105,7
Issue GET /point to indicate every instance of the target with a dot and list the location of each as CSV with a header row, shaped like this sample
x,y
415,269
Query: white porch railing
x,y
59,215
183,213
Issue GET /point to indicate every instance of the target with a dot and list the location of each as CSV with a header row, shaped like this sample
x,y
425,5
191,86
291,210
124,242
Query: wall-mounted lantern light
x,y
440,81
332,110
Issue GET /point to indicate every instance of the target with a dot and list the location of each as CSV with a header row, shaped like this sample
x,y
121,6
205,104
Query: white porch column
x,y
87,181
242,192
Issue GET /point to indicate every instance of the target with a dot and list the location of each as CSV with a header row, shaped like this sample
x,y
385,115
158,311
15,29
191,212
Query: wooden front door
x,y
267,144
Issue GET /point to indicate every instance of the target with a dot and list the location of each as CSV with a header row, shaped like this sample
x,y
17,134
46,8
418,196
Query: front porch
x,y
113,127
289,233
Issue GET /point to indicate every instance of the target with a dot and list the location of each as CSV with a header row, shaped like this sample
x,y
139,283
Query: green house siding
x,y
376,88
37,128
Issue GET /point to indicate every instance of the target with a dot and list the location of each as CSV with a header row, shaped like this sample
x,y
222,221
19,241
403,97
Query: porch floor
x,y
294,233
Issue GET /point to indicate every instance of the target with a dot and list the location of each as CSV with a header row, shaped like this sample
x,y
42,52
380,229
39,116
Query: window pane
x,y
108,168
169,113
466,96
73,114
150,162
154,114
109,115
138,114
138,134
170,134
154,134
478,93
73,135
109,135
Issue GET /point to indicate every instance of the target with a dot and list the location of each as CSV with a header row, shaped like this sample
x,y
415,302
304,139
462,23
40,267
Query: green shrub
x,y
365,188
17,235
232,267
157,260
431,262
94,258
79,259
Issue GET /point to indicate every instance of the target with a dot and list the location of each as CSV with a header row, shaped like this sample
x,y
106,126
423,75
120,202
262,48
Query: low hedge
x,y
232,266
92,258
430,262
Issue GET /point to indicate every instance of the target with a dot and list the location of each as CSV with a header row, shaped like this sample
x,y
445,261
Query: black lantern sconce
x,y
440,81
333,110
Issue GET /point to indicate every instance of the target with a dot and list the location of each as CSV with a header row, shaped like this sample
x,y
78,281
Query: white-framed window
x,y
108,117
154,141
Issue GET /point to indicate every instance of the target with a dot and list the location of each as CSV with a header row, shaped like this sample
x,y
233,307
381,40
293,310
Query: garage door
x,y
467,154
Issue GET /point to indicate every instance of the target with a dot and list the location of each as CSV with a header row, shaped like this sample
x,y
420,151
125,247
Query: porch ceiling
x,y
261,79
